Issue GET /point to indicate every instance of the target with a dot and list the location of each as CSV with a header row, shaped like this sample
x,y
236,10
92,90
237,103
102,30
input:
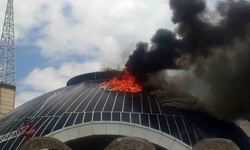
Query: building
x,y
7,98
86,116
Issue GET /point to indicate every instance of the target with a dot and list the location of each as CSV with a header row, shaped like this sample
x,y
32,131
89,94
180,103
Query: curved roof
x,y
83,101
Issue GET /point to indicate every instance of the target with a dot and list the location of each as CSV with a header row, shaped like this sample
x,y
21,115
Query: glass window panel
x,y
119,102
87,99
61,122
154,106
173,128
182,130
79,100
116,116
54,101
17,125
5,126
51,103
35,121
60,103
106,116
17,142
23,141
154,122
145,102
71,120
69,102
39,100
136,102
163,123
79,118
144,120
125,117
8,144
97,116
102,101
9,127
190,130
38,124
34,110
128,102
2,144
135,118
49,99
110,102
88,117
39,132
50,126
94,101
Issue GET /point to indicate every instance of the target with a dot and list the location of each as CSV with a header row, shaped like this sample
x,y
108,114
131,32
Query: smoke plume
x,y
218,53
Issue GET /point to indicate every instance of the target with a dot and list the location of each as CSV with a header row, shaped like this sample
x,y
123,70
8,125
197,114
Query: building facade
x,y
84,115
7,98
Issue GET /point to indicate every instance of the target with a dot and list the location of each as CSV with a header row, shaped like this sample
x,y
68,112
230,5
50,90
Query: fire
x,y
123,83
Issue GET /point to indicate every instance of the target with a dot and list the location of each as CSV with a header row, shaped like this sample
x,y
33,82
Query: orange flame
x,y
124,83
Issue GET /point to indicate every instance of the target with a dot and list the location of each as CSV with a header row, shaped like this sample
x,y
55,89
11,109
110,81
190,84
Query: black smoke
x,y
160,56
218,53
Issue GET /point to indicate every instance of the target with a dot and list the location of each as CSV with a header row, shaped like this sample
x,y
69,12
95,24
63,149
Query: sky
x,y
56,40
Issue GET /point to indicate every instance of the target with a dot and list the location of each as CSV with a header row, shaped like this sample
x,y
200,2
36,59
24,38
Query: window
x,y
128,102
163,123
88,117
50,126
125,117
97,116
116,116
119,102
71,119
173,127
86,100
106,116
135,118
79,118
95,100
136,102
154,122
61,122
144,120
38,132
110,102
182,130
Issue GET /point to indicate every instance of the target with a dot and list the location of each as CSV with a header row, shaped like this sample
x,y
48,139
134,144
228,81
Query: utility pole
x,y
7,62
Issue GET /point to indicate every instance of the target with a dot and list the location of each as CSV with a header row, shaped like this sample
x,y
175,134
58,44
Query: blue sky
x,y
59,39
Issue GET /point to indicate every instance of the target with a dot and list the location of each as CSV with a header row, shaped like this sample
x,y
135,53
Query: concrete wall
x,y
7,99
39,143
216,144
130,143
121,129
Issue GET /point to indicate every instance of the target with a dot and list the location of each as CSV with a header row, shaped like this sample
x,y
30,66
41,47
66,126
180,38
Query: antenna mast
x,y
7,48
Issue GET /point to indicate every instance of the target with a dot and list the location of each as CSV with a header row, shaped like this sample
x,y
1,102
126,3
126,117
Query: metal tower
x,y
7,48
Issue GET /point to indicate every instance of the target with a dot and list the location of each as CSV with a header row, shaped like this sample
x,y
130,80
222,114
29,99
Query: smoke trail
x,y
219,53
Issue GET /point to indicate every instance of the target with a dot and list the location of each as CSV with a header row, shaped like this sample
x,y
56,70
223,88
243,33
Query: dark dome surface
x,y
83,101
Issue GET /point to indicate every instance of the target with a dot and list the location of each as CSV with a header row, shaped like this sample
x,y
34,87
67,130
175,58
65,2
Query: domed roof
x,y
83,101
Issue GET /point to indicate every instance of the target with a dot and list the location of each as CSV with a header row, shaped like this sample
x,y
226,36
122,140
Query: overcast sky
x,y
59,39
